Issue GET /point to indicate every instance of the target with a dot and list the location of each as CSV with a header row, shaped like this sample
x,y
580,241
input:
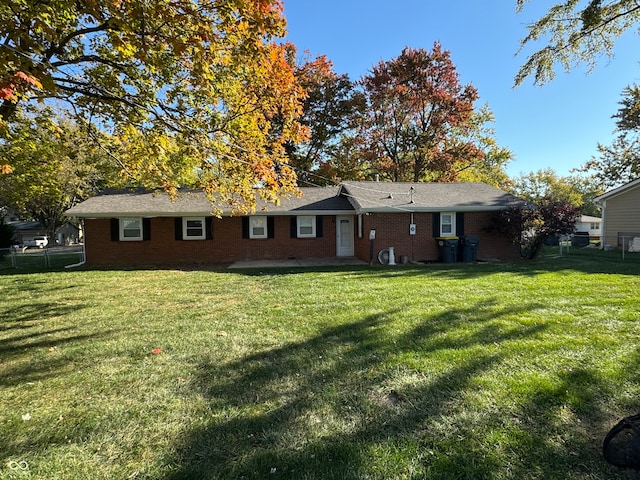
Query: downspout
x,y
603,226
84,253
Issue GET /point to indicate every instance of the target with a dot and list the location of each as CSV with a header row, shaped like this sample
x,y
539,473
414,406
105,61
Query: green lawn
x,y
496,371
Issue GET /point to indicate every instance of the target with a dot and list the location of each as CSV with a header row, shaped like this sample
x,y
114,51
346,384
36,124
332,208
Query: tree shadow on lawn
x,y
30,360
357,401
28,340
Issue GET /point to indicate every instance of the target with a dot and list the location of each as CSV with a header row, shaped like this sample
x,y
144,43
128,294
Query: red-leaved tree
x,y
417,116
531,225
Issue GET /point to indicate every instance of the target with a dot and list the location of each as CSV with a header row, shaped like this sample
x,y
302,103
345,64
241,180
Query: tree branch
x,y
58,48
89,58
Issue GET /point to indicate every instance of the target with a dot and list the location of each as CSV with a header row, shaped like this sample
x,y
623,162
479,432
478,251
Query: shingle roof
x,y
194,203
426,197
350,197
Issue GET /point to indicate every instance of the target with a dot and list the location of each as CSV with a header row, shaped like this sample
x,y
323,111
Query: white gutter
x,y
450,208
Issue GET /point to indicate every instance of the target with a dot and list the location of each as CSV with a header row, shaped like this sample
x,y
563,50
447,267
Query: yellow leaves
x,y
127,49
178,73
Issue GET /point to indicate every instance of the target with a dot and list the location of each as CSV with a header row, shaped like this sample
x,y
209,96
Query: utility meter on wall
x,y
412,229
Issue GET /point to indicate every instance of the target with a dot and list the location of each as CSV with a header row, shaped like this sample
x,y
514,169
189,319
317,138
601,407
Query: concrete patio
x,y
298,262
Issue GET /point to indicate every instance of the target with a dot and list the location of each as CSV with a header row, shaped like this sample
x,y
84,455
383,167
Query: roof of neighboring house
x,y
426,197
26,226
350,197
589,219
617,191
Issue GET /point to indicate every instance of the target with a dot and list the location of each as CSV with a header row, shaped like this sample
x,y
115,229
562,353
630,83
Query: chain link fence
x,y
628,243
54,258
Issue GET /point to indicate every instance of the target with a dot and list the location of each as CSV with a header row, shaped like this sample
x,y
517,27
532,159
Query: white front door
x,y
344,236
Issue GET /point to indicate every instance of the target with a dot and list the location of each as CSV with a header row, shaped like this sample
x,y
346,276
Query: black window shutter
x,y
319,226
146,229
270,228
179,228
115,230
208,223
245,227
459,224
436,224
294,227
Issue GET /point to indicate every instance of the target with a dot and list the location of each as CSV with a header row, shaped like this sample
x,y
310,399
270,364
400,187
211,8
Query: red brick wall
x,y
392,230
227,245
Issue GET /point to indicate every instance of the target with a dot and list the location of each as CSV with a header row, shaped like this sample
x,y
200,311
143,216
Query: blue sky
x,y
555,126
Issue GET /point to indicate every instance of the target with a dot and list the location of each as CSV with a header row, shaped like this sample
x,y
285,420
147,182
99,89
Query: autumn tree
x,y
575,32
419,121
329,109
488,167
206,78
344,161
55,165
547,186
619,162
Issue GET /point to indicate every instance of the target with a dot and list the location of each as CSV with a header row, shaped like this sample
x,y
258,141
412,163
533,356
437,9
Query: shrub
x,y
530,226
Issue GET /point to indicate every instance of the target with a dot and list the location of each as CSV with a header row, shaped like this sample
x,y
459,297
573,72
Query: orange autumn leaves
x,y
199,89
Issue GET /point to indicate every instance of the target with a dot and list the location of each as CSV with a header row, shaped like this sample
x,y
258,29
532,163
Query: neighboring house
x,y
68,234
142,228
620,215
26,230
590,225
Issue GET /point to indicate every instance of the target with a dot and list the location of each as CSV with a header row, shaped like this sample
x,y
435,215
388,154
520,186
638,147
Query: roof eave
x,y
447,208
281,213
617,191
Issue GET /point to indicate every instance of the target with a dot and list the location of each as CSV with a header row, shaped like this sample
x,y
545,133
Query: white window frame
x,y
123,229
186,228
306,222
451,225
258,221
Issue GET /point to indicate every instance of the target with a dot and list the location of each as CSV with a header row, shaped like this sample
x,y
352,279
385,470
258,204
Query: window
x,y
306,227
595,226
447,224
258,227
193,228
130,229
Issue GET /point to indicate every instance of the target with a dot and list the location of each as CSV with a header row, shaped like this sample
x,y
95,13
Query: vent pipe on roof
x,y
377,177
411,195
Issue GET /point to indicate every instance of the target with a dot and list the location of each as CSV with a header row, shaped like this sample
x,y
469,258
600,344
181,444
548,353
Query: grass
x,y
494,371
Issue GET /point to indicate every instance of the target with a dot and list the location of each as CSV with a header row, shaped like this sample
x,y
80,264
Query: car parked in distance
x,y
39,242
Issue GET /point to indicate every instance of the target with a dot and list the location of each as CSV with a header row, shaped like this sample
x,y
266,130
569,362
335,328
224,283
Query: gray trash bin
x,y
580,239
448,249
469,248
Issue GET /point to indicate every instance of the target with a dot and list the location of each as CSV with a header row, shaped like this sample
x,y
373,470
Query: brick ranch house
x,y
143,228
